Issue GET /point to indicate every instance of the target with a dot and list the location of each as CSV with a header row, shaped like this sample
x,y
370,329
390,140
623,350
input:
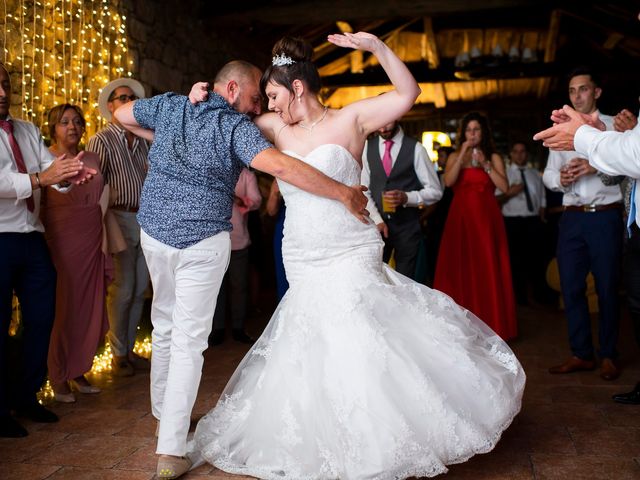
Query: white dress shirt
x,y
587,190
425,171
517,206
613,153
15,187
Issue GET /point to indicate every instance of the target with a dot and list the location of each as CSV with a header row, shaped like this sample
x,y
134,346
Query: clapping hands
x,y
566,123
65,169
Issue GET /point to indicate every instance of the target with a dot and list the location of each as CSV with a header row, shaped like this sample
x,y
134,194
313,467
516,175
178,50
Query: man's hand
x,y
514,190
383,229
356,202
625,120
579,167
199,92
395,198
567,121
66,169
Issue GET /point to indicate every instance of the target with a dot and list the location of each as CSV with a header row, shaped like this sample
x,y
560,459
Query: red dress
x,y
73,229
473,261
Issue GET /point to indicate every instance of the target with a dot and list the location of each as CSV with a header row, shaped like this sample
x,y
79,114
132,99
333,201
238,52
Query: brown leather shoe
x,y
574,364
609,370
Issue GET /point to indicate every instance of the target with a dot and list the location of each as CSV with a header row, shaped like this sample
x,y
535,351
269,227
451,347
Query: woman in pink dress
x,y
74,233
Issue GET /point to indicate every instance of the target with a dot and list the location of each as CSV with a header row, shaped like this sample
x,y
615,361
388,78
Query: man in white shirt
x,y
523,208
401,181
615,153
589,239
26,166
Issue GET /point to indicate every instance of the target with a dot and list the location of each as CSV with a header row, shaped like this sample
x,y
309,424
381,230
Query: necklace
x,y
310,127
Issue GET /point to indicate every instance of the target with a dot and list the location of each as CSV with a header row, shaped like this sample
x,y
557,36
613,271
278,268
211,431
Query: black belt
x,y
592,208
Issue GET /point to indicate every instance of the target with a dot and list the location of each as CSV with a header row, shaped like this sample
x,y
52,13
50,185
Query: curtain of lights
x,y
62,51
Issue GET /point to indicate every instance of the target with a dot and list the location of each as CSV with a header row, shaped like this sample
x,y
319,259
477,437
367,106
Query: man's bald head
x,y
238,82
236,70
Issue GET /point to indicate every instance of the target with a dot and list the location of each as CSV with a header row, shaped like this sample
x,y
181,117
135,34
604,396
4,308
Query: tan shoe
x,y
63,394
82,385
120,367
170,467
574,364
609,370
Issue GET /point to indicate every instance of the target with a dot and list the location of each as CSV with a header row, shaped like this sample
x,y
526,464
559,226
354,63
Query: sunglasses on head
x,y
124,98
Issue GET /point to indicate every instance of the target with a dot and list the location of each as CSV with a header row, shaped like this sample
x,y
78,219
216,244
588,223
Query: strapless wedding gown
x,y
361,372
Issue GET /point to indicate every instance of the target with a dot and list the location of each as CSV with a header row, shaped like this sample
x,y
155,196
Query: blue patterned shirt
x,y
194,164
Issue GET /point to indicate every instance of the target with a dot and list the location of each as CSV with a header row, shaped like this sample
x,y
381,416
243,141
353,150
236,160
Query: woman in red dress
x,y
74,233
473,262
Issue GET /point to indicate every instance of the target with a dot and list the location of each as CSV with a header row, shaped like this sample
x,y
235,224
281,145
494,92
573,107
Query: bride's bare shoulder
x,y
269,124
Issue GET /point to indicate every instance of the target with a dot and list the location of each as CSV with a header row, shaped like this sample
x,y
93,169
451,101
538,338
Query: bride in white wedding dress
x,y
361,373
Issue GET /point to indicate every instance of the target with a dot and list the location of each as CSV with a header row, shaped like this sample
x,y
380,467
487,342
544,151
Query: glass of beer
x,y
387,207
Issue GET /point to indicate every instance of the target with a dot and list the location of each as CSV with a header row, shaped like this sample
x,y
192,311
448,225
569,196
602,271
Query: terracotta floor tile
x,y
76,473
96,422
582,467
614,441
97,451
144,426
26,471
563,414
144,459
19,449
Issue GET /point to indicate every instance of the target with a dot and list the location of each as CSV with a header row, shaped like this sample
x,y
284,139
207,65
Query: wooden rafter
x,y
431,46
550,49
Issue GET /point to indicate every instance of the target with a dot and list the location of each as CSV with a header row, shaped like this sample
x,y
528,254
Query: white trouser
x,y
185,287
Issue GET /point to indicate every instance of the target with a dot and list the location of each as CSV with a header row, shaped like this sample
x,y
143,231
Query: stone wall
x,y
171,47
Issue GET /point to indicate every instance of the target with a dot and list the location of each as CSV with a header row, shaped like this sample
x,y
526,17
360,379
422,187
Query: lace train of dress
x,y
361,373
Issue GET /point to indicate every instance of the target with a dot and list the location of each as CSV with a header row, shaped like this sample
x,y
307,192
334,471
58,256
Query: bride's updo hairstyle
x,y
292,61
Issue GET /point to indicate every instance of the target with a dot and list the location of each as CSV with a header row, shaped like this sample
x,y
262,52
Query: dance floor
x,y
568,429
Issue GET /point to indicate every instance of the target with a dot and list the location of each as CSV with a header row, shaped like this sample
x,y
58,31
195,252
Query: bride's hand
x,y
199,92
359,41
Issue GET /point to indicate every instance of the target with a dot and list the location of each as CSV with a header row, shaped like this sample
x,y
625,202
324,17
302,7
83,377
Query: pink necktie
x,y
7,126
386,158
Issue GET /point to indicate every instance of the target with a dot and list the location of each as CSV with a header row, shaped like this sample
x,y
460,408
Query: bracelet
x,y
487,167
38,179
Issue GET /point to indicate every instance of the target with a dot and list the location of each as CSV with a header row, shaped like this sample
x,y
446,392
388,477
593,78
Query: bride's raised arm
x,y
375,112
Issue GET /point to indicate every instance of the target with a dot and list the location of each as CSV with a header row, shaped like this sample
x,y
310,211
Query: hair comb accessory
x,y
281,59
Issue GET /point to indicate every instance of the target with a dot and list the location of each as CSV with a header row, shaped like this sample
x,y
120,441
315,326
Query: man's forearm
x,y
297,173
125,116
613,153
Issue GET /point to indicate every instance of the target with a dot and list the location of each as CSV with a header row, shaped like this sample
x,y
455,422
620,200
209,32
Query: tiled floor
x,y
568,428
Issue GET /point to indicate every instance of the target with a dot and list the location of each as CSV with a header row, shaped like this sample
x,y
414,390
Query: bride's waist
x,y
304,261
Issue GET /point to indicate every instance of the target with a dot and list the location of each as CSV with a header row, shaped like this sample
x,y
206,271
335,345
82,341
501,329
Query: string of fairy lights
x,y
63,51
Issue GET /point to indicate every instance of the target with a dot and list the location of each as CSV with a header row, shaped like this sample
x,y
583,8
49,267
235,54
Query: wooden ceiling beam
x,y
374,76
431,44
308,11
551,45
